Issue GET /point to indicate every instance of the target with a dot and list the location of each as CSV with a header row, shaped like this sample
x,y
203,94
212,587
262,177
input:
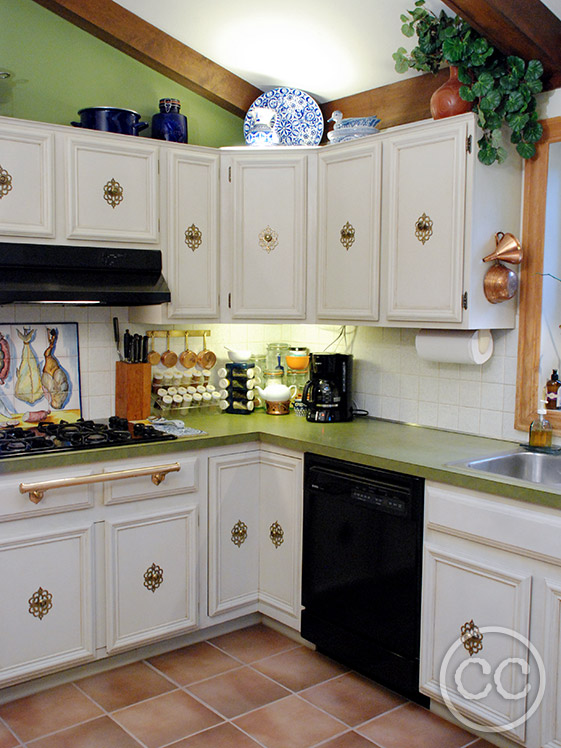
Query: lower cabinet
x,y
255,504
491,622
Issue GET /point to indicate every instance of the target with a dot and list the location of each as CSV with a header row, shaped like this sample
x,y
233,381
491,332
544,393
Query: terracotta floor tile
x,y
124,686
238,692
166,718
253,643
290,723
48,711
95,734
299,668
223,736
352,698
351,740
193,663
7,740
415,727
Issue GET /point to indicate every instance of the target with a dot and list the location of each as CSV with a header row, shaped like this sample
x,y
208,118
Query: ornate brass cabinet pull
x,y
153,577
423,228
239,533
347,236
276,533
193,237
268,239
471,637
113,193
5,182
40,603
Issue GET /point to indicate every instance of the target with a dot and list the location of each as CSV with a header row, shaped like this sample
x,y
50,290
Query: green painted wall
x,y
57,69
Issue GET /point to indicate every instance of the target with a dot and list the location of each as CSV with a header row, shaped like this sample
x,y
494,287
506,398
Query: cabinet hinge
x,y
229,301
229,173
469,141
465,300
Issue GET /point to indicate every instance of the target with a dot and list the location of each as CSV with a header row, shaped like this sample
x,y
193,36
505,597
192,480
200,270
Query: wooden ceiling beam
x,y
128,33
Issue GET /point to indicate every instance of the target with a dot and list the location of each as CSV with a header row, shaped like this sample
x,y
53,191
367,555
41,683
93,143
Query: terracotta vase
x,y
446,100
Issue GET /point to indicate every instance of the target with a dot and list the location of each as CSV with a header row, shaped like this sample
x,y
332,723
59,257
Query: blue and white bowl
x,y
356,122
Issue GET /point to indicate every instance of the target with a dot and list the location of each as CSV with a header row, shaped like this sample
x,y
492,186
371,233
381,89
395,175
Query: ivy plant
x,y
502,87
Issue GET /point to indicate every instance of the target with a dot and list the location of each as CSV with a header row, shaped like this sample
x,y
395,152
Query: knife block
x,y
132,390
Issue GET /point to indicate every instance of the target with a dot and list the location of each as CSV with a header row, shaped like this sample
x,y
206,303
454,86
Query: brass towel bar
x,y
177,333
36,491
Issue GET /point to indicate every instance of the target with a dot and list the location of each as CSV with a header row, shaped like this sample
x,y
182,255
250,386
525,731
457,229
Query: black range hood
x,y
32,273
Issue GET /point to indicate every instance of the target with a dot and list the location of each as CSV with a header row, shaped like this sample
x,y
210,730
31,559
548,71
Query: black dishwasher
x,y
362,558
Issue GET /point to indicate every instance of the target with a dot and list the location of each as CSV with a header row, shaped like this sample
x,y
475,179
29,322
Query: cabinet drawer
x,y
186,480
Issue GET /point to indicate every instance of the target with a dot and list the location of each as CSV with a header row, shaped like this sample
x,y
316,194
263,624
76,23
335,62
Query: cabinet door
x,y
267,241
233,543
280,540
193,234
457,591
151,577
349,232
425,214
26,182
111,189
551,709
46,587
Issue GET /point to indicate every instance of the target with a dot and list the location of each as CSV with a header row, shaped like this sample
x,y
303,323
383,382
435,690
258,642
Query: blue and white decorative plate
x,y
299,120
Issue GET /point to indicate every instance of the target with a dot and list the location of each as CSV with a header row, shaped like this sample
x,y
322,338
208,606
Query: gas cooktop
x,y
81,434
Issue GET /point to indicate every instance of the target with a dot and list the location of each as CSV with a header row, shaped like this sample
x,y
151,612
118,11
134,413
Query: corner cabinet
x,y
264,233
491,616
441,209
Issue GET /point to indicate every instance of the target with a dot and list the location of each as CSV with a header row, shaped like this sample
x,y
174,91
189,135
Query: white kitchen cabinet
x,y
111,189
264,233
47,588
441,210
348,263
255,528
495,563
27,181
193,233
233,532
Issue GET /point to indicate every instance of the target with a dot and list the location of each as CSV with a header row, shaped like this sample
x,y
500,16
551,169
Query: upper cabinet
x,y
349,232
264,233
27,183
111,189
192,232
441,210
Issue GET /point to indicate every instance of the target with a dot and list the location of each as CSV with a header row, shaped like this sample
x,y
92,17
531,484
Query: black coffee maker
x,y
327,395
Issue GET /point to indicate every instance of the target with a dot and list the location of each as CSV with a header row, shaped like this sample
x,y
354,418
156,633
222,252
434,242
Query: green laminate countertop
x,y
415,450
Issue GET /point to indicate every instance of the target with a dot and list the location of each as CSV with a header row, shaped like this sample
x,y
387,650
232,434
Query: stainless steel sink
x,y
544,469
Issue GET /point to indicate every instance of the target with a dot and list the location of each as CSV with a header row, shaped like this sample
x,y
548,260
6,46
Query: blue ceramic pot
x,y
110,119
169,124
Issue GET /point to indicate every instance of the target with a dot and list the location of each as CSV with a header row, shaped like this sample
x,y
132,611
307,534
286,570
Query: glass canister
x,y
299,378
169,124
276,356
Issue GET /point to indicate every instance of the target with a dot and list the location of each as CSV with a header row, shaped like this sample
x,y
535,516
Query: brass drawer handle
x,y
193,237
423,228
347,236
268,239
5,182
113,193
276,533
40,603
153,577
471,637
239,533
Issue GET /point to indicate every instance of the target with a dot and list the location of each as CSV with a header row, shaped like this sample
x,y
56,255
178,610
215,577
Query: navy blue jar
x,y
169,124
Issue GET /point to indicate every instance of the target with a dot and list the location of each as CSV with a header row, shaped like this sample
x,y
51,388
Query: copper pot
x,y
500,283
188,358
206,359
169,357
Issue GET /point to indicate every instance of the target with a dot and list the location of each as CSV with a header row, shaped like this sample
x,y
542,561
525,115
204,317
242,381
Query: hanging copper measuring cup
x,y
188,358
206,359
169,358
153,356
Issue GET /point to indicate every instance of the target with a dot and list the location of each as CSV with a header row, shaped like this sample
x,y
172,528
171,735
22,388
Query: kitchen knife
x,y
136,348
145,349
117,336
127,340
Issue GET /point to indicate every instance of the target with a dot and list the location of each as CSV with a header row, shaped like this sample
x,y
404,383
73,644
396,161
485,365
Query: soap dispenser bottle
x,y
541,431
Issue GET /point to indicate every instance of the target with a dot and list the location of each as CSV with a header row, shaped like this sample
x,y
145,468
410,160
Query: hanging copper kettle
x,y
501,283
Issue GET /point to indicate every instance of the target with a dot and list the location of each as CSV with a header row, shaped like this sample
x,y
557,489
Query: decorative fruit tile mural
x,y
39,373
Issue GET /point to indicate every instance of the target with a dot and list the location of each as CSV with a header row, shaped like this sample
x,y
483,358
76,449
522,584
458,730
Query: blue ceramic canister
x,y
169,124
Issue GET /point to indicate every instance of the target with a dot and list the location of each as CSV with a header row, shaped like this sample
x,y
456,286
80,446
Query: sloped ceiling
x,y
340,52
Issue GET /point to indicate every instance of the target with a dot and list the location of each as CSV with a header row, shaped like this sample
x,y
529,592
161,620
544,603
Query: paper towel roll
x,y
455,346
